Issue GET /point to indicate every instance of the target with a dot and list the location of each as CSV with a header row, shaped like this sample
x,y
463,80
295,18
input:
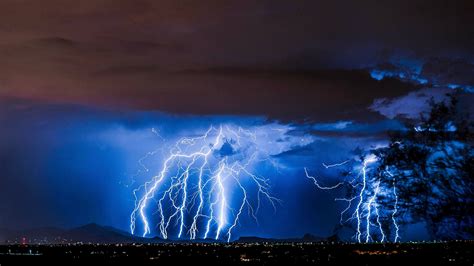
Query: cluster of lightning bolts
x,y
363,208
195,192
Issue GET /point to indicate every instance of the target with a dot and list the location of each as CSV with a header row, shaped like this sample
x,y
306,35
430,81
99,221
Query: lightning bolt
x,y
222,202
373,203
193,186
318,185
327,166
364,204
366,162
395,206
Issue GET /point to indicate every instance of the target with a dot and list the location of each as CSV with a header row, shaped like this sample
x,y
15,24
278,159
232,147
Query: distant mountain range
x,y
90,233
94,233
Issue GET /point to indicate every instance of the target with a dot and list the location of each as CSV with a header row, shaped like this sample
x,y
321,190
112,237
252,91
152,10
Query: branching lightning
x,y
327,166
318,185
395,205
200,182
366,213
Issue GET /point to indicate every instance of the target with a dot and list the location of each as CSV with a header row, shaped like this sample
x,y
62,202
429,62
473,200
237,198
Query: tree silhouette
x,y
431,164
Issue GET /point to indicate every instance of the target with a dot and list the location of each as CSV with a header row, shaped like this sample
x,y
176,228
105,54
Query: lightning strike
x,y
370,159
192,188
395,206
327,166
318,185
364,204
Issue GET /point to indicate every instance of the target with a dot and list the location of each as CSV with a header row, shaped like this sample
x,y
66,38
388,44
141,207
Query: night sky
x,y
87,88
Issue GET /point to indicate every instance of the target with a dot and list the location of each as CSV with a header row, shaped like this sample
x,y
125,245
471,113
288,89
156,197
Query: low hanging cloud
x,y
286,60
409,106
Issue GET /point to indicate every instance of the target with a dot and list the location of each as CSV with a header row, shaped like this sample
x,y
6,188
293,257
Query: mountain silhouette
x,y
95,233
98,234
89,233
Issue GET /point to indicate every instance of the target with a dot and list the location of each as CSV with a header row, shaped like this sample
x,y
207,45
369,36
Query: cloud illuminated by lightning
x,y
207,181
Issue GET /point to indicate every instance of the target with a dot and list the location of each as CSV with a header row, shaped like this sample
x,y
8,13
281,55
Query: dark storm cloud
x,y
221,57
416,104
411,105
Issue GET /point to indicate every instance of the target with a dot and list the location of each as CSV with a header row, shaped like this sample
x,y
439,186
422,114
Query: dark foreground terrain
x,y
451,253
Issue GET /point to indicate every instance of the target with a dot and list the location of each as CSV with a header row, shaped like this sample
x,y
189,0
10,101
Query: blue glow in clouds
x,y
208,181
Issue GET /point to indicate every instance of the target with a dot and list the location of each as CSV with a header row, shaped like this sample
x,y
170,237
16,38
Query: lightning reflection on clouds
x,y
207,181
